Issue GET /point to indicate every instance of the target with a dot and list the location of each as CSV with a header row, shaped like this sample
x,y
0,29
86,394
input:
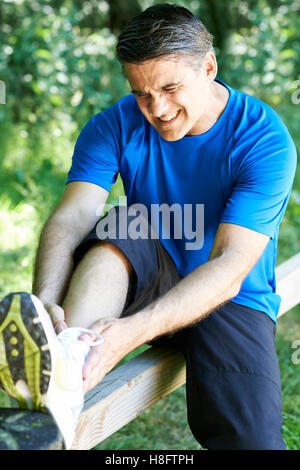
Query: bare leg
x,y
98,287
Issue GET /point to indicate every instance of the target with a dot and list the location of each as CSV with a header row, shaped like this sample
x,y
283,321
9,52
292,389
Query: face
x,y
174,97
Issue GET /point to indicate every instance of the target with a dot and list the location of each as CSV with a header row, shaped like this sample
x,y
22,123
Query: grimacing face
x,y
172,95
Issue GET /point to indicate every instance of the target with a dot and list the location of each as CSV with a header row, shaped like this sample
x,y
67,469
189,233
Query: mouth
x,y
168,119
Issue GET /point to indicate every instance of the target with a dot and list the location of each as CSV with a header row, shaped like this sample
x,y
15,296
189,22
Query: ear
x,y
211,66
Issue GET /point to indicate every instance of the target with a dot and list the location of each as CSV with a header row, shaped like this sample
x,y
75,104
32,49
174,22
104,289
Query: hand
x,y
57,315
101,359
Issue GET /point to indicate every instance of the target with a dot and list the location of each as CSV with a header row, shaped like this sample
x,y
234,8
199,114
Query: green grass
x,y
288,331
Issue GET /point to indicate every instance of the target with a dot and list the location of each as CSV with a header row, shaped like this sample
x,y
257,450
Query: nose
x,y
158,105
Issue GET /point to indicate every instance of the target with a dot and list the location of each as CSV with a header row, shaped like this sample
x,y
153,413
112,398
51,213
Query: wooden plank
x,y
141,382
126,392
288,283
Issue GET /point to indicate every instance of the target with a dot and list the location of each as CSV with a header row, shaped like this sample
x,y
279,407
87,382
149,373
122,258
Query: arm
x,y
235,251
73,218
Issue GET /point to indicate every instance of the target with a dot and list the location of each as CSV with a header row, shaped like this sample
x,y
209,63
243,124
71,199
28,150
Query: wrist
x,y
46,296
139,327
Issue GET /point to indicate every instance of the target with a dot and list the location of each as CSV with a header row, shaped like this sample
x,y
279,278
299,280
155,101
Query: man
x,y
183,139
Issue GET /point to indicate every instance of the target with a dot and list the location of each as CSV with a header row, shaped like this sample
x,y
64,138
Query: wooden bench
x,y
147,378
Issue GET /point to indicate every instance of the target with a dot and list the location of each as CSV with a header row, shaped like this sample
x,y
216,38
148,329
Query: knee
x,y
105,250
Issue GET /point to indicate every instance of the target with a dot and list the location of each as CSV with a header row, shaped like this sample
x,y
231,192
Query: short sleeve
x,y
263,182
96,154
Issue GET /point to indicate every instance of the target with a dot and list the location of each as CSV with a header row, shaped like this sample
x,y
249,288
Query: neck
x,y
222,96
216,104
218,100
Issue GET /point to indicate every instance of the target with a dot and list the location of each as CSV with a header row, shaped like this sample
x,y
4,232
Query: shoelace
x,y
75,331
74,346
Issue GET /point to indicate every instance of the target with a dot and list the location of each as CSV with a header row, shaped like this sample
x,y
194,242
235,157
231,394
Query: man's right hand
x,y
57,315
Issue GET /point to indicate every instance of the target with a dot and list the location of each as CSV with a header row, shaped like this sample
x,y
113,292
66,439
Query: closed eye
x,y
139,94
166,89
170,90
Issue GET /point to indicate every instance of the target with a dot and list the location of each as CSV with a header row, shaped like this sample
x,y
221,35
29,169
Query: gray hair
x,y
164,30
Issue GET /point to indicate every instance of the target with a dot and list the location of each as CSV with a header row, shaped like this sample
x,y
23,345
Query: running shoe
x,y
40,369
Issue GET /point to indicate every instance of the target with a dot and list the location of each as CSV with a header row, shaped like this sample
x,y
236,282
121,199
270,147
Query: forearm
x,y
192,299
54,261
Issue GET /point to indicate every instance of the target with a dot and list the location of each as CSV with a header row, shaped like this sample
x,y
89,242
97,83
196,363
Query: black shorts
x,y
233,380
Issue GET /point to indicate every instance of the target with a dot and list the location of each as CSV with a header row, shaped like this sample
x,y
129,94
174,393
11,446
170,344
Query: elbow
x,y
235,289
234,275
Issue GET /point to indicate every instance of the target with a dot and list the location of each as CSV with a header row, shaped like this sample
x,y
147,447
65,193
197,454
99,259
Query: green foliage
x,y
57,67
58,64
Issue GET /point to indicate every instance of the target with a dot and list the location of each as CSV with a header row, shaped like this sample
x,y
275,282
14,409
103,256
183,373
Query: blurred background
x,y
58,69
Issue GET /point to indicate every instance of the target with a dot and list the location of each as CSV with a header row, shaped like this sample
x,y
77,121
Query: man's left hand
x,y
103,358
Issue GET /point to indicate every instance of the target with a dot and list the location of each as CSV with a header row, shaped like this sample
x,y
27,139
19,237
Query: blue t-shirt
x,y
240,171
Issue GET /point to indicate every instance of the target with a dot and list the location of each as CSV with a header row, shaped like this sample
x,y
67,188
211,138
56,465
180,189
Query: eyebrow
x,y
165,87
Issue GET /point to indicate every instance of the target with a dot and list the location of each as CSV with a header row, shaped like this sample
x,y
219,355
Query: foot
x,y
41,370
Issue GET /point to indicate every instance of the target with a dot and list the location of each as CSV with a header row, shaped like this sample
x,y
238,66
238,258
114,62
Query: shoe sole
x,y
28,430
25,360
